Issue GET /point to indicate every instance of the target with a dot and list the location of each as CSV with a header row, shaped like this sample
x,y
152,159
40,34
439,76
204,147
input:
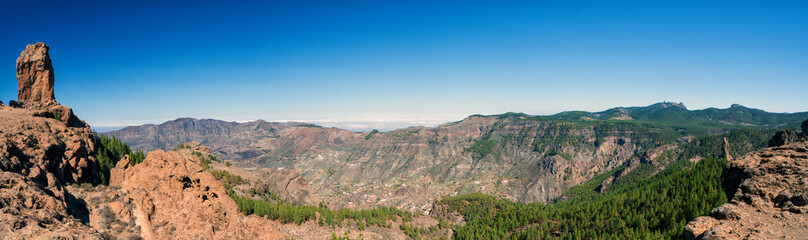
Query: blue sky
x,y
386,64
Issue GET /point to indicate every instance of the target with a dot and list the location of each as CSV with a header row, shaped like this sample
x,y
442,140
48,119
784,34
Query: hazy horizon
x,y
361,125
361,65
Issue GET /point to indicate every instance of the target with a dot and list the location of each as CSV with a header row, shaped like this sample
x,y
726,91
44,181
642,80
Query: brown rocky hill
x,y
768,192
515,156
48,171
176,198
226,138
43,147
407,168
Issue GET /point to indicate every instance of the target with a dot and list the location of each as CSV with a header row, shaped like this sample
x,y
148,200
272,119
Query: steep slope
x,y
768,192
516,156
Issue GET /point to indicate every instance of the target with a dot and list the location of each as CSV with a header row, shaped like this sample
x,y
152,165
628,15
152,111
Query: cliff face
x,y
768,192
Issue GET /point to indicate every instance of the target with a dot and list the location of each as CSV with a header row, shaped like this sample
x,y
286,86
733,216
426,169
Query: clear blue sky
x,y
407,62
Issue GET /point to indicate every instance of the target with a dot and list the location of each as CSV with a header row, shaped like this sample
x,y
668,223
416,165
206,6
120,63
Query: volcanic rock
x,y
35,74
40,146
175,197
39,154
43,147
28,211
768,190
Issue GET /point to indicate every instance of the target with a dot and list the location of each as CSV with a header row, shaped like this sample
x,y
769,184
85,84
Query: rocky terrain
x,y
49,176
52,186
515,156
174,197
43,147
51,181
768,192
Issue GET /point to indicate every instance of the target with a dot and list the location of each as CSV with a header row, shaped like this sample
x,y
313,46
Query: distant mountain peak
x,y
665,104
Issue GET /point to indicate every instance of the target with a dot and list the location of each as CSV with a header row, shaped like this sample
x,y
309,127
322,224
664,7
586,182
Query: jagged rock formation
x,y
35,74
768,192
42,148
175,197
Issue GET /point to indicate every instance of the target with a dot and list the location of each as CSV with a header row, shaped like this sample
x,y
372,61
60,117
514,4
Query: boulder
x,y
35,74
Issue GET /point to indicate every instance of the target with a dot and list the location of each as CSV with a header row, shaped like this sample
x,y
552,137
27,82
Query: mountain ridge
x,y
522,157
564,115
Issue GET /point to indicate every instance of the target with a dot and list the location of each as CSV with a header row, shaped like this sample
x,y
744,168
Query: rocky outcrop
x,y
30,211
804,128
784,137
175,197
725,154
37,145
43,147
35,74
768,192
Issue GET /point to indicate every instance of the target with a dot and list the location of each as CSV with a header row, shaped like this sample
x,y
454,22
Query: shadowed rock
x,y
783,138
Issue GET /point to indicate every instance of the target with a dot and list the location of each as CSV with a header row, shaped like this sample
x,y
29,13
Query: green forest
x,y
265,204
642,204
649,202
653,208
109,150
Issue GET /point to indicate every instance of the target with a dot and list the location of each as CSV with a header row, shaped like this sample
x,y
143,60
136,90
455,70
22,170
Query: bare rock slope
x,y
176,198
43,147
768,192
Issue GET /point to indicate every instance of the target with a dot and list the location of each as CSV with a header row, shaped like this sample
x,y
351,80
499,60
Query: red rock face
x,y
35,74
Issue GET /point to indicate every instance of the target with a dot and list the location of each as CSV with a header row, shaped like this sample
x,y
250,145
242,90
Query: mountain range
x,y
655,172
515,156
